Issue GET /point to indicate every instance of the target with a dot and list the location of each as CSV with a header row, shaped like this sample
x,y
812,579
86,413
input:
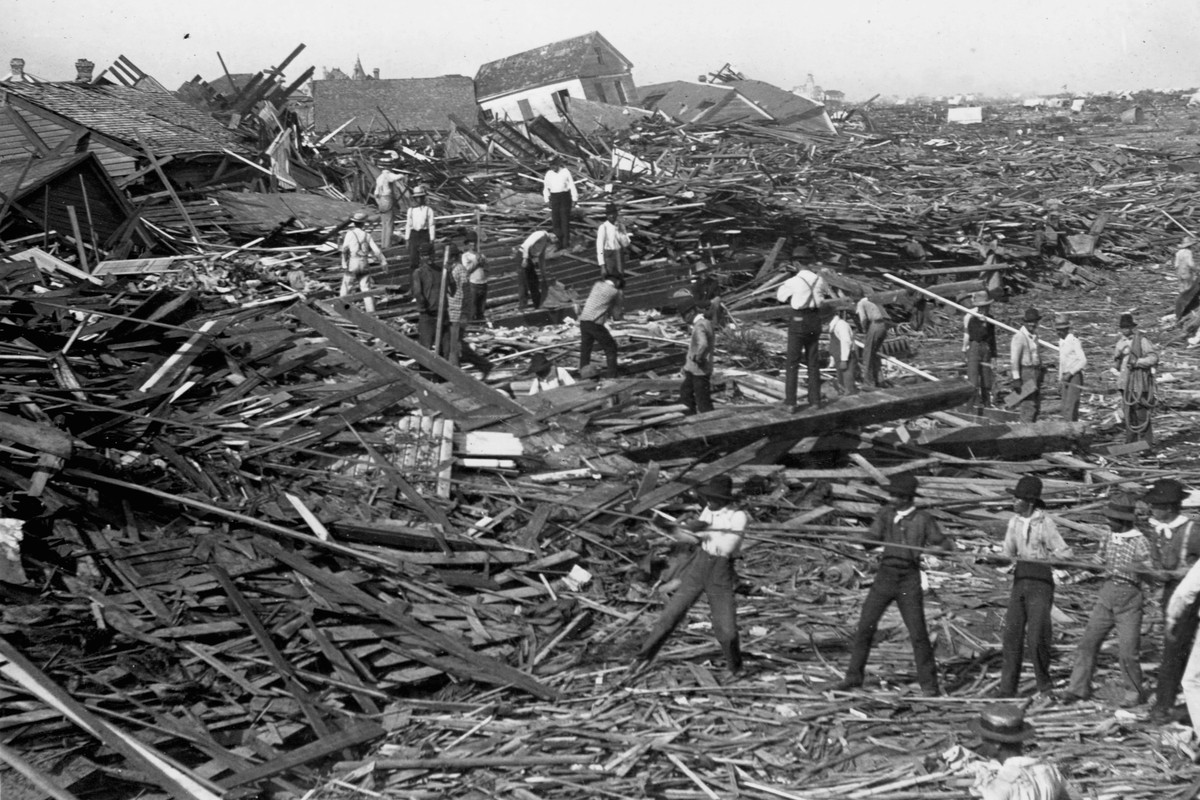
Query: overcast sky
x,y
893,47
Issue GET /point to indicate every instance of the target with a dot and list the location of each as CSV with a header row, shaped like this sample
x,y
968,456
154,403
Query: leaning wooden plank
x,y
481,667
694,437
167,774
360,732
698,477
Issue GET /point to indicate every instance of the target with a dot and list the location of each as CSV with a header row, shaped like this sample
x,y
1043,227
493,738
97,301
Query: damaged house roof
x,y
788,108
409,104
579,57
710,103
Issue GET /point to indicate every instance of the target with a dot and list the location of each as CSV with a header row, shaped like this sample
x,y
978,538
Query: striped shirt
x,y
603,301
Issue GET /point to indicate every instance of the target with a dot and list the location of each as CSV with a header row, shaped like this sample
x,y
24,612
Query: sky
x,y
863,47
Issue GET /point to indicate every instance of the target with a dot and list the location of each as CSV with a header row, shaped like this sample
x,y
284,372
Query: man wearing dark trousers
x,y
903,530
1177,543
603,303
804,292
420,229
427,291
1033,539
559,192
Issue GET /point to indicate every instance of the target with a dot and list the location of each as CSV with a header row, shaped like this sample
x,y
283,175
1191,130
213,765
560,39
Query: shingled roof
x,y
169,125
688,101
410,104
560,61
788,108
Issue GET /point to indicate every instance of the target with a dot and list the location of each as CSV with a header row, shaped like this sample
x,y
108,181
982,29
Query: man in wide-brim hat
x,y
1033,539
1135,357
718,532
1026,363
979,345
420,229
1127,561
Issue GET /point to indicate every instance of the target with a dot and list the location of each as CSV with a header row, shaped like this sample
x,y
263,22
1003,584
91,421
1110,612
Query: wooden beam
x,y
154,162
11,197
27,130
359,733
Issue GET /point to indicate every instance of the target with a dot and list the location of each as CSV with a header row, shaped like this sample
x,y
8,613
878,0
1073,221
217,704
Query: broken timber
x,y
1003,441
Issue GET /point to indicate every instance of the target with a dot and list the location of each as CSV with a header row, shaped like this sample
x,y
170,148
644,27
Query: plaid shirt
x,y
1122,552
603,301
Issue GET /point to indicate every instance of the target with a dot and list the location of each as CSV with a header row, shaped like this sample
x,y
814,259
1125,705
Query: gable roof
x,y
169,125
786,107
582,56
689,101
410,104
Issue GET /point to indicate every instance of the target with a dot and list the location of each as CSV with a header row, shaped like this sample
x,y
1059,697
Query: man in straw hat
x,y
1176,543
1071,363
1033,539
904,531
979,343
356,249
420,230
718,532
1003,731
1126,556
559,192
1026,363
1135,358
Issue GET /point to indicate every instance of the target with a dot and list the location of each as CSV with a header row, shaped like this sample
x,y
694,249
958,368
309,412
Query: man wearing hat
x,y
904,531
841,347
1126,556
1071,363
718,531
611,241
558,190
705,287
1135,358
979,343
419,228
388,187
1026,362
1033,540
1003,731
695,391
1176,546
875,322
804,292
458,313
356,249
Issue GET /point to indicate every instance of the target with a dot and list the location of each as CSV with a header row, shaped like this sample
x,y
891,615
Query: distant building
x,y
834,99
526,85
405,105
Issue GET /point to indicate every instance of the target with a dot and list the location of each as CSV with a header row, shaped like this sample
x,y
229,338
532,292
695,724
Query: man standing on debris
x,y
1176,543
427,291
1126,555
1185,263
531,274
475,301
603,303
875,323
419,229
388,188
1027,367
1135,358
1071,362
718,532
903,530
611,241
558,190
979,343
356,249
457,347
695,391
804,292
1033,539
841,347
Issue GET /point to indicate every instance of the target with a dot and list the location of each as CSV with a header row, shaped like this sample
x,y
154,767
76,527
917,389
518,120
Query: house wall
x,y
540,99
14,145
617,90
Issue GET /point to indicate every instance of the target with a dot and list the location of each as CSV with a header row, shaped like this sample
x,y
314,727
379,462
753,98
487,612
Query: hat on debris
x,y
719,488
1032,315
1005,724
420,191
1120,506
1029,487
359,216
903,486
1165,492
981,298
538,364
1126,321
1061,320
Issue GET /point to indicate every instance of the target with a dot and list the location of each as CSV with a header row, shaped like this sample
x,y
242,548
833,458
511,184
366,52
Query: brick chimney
x,y
83,71
17,65
375,72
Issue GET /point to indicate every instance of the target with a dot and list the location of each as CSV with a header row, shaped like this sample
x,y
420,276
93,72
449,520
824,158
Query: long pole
x,y
437,337
963,309
1177,222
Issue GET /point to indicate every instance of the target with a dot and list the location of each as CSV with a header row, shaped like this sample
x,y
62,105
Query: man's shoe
x,y
931,691
1158,716
847,684
1070,698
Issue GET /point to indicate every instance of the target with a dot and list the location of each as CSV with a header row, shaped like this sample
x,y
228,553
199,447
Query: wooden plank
x,y
359,732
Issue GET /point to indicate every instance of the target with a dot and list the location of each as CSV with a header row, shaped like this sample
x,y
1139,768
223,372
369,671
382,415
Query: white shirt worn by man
x,y
1070,356
559,180
419,218
609,237
841,337
804,290
723,536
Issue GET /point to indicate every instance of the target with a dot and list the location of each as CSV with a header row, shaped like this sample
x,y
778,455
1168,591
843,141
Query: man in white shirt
x,y
356,249
804,292
558,190
1071,362
841,347
419,229
1026,364
611,241
1183,603
531,272
1185,263
388,186
718,534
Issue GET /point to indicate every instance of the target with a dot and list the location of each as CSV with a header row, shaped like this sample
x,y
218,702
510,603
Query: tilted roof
x,y
783,105
410,104
586,56
689,101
